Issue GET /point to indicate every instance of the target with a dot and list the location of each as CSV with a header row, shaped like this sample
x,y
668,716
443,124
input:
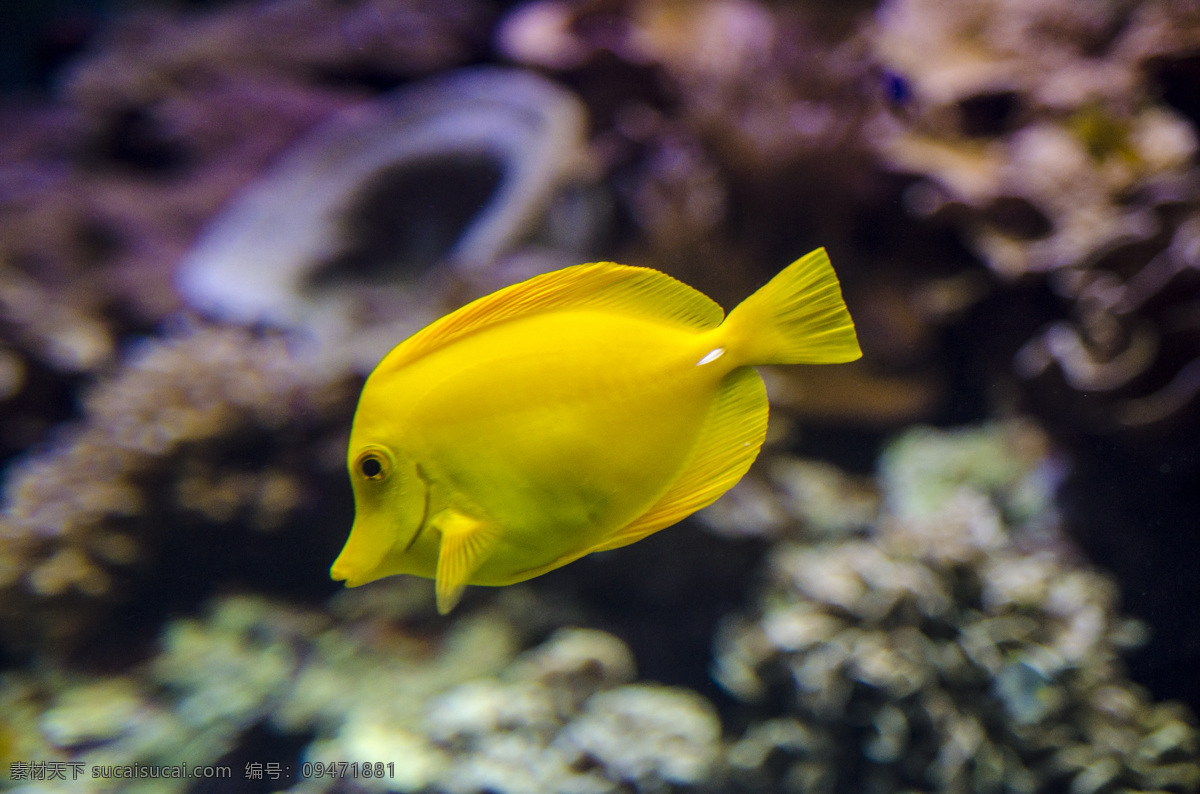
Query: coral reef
x,y
1048,130
249,660
460,713
752,91
950,645
564,718
712,52
1060,142
151,132
927,628
790,497
222,427
953,647
211,427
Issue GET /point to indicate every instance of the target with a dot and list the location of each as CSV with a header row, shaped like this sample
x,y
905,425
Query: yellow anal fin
x,y
730,438
466,543
732,434
603,286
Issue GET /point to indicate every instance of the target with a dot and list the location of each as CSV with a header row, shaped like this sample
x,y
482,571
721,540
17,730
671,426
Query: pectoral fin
x,y
466,544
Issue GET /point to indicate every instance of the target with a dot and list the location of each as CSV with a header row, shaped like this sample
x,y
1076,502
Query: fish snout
x,y
364,550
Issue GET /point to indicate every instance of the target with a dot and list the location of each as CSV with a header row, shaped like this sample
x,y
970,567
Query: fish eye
x,y
372,465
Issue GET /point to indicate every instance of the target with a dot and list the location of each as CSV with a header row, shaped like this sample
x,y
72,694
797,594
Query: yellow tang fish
x,y
578,411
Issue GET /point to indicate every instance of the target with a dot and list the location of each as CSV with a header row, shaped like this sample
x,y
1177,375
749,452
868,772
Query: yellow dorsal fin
x,y
605,286
466,543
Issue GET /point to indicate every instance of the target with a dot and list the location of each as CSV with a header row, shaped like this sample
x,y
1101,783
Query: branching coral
x,y
952,648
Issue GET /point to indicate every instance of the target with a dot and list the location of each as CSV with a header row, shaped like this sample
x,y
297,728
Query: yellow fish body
x,y
578,411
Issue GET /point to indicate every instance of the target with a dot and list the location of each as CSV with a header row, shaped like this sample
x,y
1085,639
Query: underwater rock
x,y
881,656
950,647
756,78
575,665
232,668
343,232
106,712
154,52
95,721
1046,103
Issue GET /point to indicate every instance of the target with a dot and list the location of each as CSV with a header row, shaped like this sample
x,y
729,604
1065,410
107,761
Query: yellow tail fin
x,y
798,317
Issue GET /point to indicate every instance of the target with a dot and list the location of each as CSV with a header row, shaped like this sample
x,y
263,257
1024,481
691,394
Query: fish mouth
x,y
341,572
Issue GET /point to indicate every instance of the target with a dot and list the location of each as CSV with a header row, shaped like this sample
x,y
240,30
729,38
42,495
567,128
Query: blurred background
x,y
966,562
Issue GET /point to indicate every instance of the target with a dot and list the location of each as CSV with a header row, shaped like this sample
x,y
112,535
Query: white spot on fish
x,y
711,355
